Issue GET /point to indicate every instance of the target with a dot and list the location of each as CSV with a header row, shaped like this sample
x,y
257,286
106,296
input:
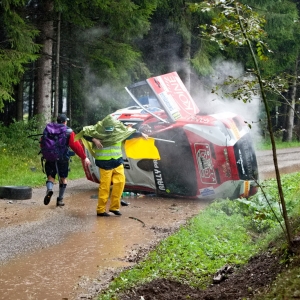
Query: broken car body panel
x,y
202,156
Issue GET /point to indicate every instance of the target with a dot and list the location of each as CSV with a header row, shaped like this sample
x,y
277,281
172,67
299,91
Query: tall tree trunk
x,y
185,72
61,98
282,118
19,101
69,104
291,109
43,95
30,92
56,86
8,114
69,96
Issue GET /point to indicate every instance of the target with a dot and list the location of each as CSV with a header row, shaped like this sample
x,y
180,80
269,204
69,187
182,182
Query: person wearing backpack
x,y
55,143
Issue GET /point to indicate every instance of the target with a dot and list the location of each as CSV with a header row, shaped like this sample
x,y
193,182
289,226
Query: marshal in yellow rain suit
x,y
111,133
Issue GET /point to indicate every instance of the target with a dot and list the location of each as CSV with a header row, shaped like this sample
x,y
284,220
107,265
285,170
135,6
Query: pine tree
x,y
17,47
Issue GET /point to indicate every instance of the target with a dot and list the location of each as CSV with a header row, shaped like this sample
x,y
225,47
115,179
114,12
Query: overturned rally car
x,y
201,156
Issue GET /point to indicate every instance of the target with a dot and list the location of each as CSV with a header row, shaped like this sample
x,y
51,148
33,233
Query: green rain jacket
x,y
119,134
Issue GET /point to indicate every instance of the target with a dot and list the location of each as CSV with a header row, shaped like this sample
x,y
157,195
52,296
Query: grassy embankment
x,y
227,232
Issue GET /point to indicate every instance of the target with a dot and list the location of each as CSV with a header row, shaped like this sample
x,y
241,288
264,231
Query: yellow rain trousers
x,y
116,177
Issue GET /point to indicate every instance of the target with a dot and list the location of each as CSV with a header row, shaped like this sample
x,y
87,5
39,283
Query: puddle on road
x,y
54,272
51,272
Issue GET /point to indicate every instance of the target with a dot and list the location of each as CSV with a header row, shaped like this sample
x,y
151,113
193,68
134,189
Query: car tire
x,y
16,192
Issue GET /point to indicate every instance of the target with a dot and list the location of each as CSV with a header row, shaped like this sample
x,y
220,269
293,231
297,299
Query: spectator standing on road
x,y
107,136
61,167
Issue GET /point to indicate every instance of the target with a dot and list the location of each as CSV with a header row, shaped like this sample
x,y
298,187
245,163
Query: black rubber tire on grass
x,y
15,192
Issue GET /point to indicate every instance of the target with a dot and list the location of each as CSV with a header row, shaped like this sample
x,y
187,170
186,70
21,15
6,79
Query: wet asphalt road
x,y
48,252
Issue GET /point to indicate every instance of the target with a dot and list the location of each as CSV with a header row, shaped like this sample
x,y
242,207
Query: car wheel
x,y
16,192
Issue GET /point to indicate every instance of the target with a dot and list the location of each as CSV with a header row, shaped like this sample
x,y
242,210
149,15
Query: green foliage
x,y
273,31
282,29
113,58
17,48
262,211
18,154
102,52
132,15
226,26
201,63
15,136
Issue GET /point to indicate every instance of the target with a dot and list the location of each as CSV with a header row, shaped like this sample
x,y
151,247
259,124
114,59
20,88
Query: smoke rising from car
x,y
103,99
216,102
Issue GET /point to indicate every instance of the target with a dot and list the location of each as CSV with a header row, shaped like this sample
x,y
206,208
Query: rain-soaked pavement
x,y
48,252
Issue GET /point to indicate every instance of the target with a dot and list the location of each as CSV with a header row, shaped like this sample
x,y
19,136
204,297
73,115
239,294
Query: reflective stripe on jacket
x,y
111,152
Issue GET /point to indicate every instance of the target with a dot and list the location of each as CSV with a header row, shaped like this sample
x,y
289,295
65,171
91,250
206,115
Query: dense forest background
x,y
77,56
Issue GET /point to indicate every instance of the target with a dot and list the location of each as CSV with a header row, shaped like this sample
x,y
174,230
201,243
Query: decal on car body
x,y
205,166
207,191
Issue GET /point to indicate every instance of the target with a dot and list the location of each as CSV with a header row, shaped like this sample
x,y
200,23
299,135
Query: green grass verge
x,y
266,145
227,232
28,171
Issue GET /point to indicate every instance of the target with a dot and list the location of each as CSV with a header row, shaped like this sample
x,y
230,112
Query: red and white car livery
x,y
202,156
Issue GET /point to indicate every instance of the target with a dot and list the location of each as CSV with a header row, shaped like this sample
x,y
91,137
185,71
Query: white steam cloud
x,y
210,103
